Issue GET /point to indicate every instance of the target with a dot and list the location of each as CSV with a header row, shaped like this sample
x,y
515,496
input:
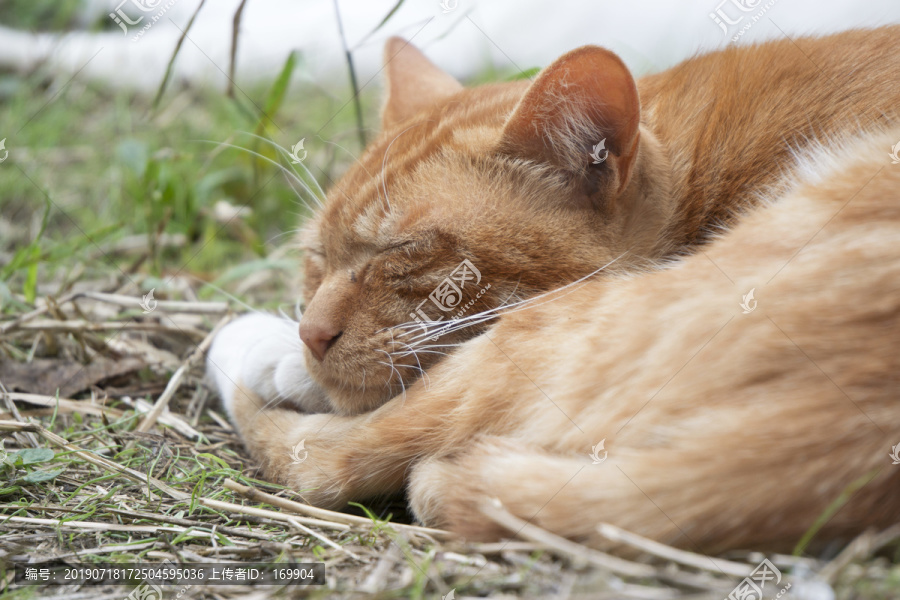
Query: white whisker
x,y
285,154
276,164
481,317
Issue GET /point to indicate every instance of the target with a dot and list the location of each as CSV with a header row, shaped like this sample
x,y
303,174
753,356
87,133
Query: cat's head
x,y
470,199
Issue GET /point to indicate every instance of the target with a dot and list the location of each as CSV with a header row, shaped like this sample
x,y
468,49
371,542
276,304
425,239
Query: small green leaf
x,y
32,456
369,513
133,154
31,253
8,458
526,74
277,93
39,476
386,18
30,286
216,459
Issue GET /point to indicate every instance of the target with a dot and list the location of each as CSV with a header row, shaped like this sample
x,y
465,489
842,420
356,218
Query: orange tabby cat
x,y
722,429
502,175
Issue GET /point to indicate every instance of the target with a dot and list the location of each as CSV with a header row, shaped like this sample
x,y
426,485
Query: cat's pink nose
x,y
318,337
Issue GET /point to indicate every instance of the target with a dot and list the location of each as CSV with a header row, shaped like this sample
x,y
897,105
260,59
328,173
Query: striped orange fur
x,y
502,175
724,427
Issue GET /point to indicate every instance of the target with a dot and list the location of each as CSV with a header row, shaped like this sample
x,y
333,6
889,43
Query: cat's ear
x,y
580,115
413,82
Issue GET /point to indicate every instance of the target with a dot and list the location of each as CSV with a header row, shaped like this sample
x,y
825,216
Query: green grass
x,y
88,168
54,15
105,167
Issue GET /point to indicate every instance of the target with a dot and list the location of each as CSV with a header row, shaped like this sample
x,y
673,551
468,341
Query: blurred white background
x,y
462,36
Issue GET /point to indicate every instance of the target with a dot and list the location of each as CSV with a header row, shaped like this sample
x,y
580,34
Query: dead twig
x,y
305,509
80,326
235,32
10,325
168,74
494,510
65,405
860,548
144,479
690,559
269,514
133,515
7,398
200,308
118,299
357,105
92,525
163,400
322,538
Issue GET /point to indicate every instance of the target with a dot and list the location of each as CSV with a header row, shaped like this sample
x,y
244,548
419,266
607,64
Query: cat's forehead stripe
x,y
462,125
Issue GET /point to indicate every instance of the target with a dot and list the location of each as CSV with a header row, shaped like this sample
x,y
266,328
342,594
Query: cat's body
x,y
732,121
723,429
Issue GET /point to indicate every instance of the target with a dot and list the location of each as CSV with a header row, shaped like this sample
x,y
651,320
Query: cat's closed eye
x,y
402,245
409,257
404,263
314,253
421,241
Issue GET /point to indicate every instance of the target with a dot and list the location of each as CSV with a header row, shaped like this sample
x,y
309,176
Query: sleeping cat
x,y
487,198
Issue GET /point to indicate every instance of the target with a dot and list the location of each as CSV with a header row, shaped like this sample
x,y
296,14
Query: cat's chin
x,y
346,393
348,399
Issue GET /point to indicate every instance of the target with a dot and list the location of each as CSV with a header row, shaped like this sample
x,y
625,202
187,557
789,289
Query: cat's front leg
x,y
263,354
331,459
301,451
257,365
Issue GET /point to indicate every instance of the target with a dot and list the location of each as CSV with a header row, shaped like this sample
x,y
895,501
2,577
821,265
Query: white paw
x,y
263,353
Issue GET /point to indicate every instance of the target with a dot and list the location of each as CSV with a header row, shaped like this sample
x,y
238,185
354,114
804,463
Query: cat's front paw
x,y
307,453
264,354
